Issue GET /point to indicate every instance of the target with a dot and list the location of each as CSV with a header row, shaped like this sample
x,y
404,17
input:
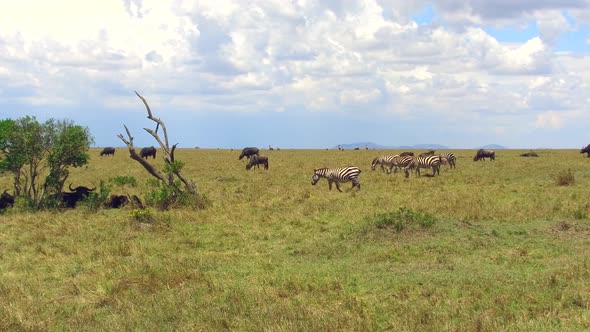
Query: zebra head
x,y
374,163
315,178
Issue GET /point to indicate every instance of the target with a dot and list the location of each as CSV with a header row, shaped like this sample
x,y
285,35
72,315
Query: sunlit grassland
x,y
510,249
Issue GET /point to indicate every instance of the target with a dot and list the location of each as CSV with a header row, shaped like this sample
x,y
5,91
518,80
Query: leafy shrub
x,y
99,198
164,197
144,216
123,180
402,219
565,178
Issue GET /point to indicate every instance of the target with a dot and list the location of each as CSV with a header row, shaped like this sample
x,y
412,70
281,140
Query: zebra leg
x,y
330,184
338,186
357,184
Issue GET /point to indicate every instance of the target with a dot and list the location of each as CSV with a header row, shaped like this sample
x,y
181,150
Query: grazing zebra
x,y
384,161
448,158
423,162
401,162
338,175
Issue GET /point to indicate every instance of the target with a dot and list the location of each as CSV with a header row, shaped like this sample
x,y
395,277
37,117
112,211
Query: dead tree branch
x,y
166,150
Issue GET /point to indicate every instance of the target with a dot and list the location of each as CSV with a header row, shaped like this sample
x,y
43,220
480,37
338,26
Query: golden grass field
x,y
509,249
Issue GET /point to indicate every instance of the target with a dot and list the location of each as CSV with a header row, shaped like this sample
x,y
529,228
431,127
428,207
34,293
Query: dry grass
x,y
508,250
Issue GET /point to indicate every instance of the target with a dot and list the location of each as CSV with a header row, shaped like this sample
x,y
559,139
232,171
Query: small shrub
x,y
164,197
402,219
97,199
123,180
565,178
145,216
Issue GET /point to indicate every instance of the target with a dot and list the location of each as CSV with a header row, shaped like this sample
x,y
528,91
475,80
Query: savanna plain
x,y
488,246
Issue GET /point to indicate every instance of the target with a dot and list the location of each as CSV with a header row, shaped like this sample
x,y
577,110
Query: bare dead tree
x,y
168,152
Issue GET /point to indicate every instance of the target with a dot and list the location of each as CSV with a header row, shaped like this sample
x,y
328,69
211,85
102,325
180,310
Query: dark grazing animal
x,y
249,152
427,153
257,160
529,154
338,175
483,154
384,161
72,198
118,201
448,158
586,150
416,163
6,200
107,151
406,153
357,148
147,152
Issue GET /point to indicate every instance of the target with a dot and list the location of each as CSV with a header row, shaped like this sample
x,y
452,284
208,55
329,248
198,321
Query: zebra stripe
x,y
423,162
450,158
338,175
384,161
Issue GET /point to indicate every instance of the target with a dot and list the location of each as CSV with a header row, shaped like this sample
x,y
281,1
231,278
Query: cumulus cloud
x,y
351,56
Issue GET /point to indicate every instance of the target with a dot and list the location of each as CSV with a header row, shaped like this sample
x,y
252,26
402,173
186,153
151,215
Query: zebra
x,y
401,162
423,162
384,161
448,158
338,175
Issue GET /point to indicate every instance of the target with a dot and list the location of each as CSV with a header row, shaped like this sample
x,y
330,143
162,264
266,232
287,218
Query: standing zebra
x,y
384,161
402,161
338,175
450,158
423,162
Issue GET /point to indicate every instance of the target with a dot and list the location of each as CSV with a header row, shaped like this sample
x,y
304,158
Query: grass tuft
x,y
402,219
565,178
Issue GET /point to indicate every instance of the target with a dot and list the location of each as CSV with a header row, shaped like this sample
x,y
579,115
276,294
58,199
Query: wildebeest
x,y
407,153
6,200
483,154
107,151
529,154
72,198
257,160
249,152
427,153
117,201
148,151
357,148
586,150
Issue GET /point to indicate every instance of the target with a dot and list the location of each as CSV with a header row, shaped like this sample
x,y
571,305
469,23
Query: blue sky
x,y
304,74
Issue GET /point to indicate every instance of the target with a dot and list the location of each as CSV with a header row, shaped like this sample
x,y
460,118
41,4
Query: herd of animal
x,y
405,161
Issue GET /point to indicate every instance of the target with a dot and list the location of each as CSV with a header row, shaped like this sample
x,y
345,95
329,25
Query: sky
x,y
303,73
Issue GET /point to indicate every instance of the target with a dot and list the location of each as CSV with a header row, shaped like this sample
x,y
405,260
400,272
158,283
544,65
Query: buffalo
x,y
107,151
249,152
147,152
586,150
483,154
407,153
257,161
118,201
529,154
71,199
427,153
6,200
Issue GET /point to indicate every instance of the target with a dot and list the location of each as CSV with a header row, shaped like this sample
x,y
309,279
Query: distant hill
x,y
493,147
372,145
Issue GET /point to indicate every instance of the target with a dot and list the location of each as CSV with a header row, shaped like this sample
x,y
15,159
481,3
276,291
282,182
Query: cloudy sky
x,y
304,73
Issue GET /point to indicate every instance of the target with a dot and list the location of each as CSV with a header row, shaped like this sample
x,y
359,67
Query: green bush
x,y
164,197
402,219
98,198
123,180
143,216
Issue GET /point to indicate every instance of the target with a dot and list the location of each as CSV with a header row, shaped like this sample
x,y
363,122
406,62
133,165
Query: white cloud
x,y
363,55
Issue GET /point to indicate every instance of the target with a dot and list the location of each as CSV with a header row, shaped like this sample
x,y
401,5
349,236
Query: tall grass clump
x,y
402,219
165,197
99,198
565,178
123,180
